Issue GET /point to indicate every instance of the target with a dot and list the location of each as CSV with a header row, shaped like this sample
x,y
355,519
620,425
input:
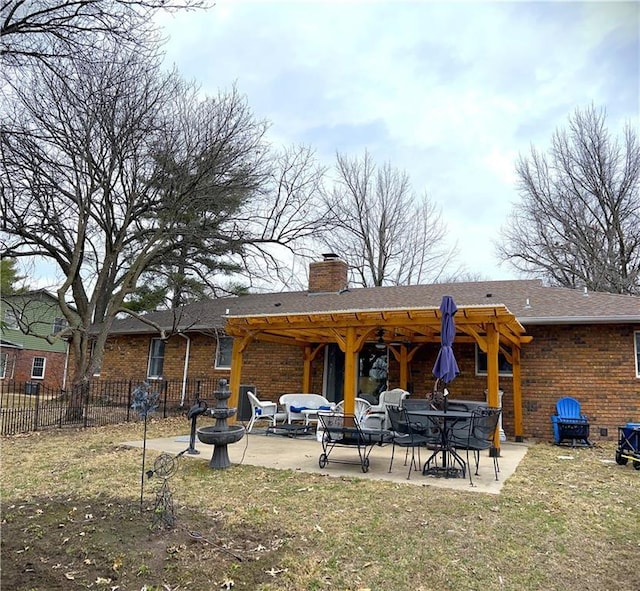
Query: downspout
x,y
66,367
185,372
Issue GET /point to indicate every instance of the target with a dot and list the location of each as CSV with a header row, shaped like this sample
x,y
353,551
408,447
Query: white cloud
x,y
449,91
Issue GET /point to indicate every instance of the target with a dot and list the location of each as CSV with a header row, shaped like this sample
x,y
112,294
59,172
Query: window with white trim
x,y
59,323
637,343
38,367
156,358
223,353
504,367
4,361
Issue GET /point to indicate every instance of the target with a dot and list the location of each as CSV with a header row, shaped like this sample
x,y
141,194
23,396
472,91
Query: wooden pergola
x,y
493,327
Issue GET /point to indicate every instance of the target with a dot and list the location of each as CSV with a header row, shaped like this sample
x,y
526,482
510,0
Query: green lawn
x,y
71,519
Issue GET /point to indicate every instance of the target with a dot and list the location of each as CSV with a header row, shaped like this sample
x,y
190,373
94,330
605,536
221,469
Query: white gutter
x,y
185,372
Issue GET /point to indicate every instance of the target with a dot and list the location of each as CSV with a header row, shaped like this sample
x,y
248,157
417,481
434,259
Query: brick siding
x,y
593,363
20,363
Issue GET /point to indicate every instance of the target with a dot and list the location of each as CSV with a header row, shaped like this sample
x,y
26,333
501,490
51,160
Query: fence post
x,y
165,387
62,403
86,388
129,403
36,414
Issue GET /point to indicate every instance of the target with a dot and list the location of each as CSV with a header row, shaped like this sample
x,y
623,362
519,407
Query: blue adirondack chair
x,y
569,424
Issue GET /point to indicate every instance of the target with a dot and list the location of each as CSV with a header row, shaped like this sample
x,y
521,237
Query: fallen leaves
x,y
276,571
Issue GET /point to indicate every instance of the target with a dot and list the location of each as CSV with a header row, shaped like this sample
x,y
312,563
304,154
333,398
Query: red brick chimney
x,y
328,275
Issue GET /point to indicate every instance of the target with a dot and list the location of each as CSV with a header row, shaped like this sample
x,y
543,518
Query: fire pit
x,y
221,434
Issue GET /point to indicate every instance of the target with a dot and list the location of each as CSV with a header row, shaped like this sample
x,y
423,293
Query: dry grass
x,y
71,519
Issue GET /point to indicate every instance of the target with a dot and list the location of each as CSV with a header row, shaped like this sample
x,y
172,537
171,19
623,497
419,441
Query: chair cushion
x,y
298,408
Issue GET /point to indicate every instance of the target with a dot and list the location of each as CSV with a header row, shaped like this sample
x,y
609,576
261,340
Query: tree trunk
x,y
78,399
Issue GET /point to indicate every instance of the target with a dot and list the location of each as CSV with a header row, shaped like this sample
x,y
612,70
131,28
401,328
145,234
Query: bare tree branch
x,y
50,30
578,222
387,235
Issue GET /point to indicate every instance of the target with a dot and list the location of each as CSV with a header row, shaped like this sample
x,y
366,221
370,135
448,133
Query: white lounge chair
x,y
387,398
262,410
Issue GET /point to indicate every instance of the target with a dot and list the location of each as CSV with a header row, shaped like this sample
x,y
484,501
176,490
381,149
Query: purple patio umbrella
x,y
445,367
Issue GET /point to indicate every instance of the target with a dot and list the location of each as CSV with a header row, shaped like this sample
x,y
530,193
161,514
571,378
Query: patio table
x,y
310,414
444,420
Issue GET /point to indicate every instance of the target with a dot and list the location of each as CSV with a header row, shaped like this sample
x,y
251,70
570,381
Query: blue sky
x,y
451,92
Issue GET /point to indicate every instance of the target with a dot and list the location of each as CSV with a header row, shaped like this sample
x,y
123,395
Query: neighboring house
x,y
24,355
533,343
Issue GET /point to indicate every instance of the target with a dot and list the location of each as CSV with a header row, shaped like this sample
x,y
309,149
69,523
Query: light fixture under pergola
x,y
380,344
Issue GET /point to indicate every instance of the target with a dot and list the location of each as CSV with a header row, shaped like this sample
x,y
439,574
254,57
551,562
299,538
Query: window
x,y
37,369
156,358
223,352
637,339
373,366
4,361
504,367
11,319
59,323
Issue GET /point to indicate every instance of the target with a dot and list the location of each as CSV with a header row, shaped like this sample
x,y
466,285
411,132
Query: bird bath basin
x,y
221,434
211,436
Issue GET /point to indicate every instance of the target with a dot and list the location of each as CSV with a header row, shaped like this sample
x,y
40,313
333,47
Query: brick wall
x,y
20,363
594,364
270,367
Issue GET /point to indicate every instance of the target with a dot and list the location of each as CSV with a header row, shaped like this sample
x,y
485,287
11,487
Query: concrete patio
x,y
301,454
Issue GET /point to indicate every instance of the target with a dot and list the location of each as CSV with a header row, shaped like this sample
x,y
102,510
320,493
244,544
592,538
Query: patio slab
x,y
301,454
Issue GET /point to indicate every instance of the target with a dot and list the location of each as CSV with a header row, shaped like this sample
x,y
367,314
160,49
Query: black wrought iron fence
x,y
30,406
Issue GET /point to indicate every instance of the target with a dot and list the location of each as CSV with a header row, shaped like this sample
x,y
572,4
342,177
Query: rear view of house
x,y
532,342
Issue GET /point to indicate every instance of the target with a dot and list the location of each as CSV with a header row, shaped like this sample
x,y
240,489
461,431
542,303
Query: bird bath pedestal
x,y
221,434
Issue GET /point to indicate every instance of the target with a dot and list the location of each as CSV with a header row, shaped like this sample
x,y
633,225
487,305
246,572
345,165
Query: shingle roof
x,y
528,300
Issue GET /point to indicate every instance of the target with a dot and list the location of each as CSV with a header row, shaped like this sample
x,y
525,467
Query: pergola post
x,y
306,369
350,373
404,367
309,353
493,399
517,394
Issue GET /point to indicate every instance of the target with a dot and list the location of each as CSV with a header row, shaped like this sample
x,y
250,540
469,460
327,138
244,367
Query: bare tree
x,y
387,235
117,169
578,221
48,30
282,222
82,185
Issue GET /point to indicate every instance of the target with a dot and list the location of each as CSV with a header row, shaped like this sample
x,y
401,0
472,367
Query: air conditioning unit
x,y
244,408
